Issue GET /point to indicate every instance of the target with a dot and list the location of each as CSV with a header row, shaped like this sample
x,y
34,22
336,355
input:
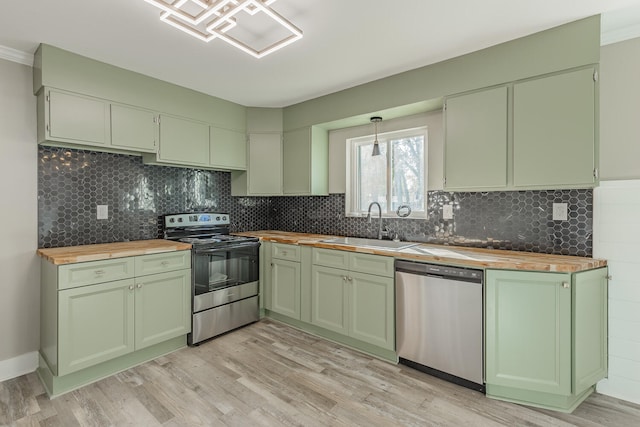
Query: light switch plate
x,y
560,212
447,211
102,211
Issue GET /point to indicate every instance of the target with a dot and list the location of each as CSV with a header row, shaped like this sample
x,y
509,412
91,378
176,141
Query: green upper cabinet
x,y
532,134
306,162
554,131
546,336
183,142
264,169
476,140
227,149
73,119
134,128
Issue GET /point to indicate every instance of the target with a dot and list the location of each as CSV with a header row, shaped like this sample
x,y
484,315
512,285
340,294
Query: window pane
x,y
408,173
373,176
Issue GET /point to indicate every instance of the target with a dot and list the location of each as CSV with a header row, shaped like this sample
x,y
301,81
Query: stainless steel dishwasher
x,y
439,321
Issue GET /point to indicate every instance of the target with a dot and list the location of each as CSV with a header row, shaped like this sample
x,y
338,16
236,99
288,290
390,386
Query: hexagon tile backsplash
x,y
71,183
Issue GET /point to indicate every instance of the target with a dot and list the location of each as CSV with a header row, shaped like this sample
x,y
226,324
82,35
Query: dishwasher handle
x,y
444,271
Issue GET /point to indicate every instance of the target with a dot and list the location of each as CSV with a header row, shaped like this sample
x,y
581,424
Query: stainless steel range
x,y
225,272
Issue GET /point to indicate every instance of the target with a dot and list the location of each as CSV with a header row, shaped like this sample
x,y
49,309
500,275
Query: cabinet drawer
x,y
371,264
283,251
331,258
162,262
89,273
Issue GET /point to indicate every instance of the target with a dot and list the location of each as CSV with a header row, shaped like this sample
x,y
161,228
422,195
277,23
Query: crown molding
x,y
619,34
15,55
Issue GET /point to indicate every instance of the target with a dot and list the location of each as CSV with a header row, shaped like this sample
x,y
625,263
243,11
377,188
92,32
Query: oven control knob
x,y
179,219
172,220
224,218
217,218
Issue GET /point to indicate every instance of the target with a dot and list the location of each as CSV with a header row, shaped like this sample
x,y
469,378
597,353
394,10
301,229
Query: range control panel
x,y
196,219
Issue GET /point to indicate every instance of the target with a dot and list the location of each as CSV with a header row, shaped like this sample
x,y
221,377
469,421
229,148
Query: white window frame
x,y
352,195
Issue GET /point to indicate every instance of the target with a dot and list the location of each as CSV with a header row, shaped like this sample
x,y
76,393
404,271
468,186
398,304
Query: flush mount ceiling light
x,y
216,19
376,147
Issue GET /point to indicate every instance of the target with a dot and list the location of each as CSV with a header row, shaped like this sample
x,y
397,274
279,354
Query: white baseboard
x,y
20,365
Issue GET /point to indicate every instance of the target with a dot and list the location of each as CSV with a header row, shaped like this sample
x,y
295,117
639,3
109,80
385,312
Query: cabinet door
x,y
285,287
163,307
296,161
589,328
265,164
554,131
77,119
528,331
476,140
305,158
96,324
329,306
227,149
183,141
133,128
371,309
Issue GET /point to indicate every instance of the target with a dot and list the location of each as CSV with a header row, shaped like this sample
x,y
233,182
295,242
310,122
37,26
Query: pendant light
x,y
376,147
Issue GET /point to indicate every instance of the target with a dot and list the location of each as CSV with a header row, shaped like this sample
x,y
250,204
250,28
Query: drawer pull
x,y
284,253
99,272
164,263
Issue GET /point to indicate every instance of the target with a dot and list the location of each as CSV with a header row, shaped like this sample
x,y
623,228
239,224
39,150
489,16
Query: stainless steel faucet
x,y
379,218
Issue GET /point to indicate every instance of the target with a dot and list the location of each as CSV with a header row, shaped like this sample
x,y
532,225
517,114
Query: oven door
x,y
225,274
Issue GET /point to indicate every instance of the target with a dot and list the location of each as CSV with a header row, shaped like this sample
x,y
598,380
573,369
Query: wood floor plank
x,y
269,374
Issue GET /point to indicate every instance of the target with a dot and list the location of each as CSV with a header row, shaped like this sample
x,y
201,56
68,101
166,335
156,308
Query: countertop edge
x,y
492,258
105,251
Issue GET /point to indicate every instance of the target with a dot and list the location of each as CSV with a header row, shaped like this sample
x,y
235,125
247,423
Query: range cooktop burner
x,y
202,230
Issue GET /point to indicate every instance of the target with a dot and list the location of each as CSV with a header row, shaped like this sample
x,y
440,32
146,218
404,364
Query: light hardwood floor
x,y
270,374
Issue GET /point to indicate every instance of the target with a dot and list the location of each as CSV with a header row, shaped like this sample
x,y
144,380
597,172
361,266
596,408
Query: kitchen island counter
x,y
442,254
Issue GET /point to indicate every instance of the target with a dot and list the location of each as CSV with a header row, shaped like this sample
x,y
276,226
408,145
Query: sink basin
x,y
370,243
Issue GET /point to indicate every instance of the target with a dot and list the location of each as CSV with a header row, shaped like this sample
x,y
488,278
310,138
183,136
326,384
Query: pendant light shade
x,y
376,147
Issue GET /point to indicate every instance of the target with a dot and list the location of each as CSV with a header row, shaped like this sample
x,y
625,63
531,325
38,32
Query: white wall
x,y
616,226
435,135
20,277
616,237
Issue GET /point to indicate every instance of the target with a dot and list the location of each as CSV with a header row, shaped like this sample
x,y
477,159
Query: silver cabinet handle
x,y
350,279
130,287
164,263
99,272
566,285
139,285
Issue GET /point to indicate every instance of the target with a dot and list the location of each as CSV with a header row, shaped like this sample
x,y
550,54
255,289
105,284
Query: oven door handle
x,y
227,248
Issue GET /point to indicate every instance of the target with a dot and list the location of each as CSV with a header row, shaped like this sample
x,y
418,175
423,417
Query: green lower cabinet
x,y
329,299
352,303
96,323
285,287
372,309
538,349
162,307
93,326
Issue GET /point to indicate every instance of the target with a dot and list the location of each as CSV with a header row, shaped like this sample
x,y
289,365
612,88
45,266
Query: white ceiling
x,y
345,43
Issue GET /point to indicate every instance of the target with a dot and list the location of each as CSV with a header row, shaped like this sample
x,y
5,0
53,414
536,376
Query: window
x,y
395,178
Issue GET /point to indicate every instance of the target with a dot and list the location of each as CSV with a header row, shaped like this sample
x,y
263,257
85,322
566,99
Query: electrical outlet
x,y
559,211
102,211
447,211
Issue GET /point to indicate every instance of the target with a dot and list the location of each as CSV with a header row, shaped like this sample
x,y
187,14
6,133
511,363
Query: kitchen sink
x,y
370,243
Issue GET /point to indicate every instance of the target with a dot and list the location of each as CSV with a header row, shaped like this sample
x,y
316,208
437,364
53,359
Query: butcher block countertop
x,y
451,255
73,254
